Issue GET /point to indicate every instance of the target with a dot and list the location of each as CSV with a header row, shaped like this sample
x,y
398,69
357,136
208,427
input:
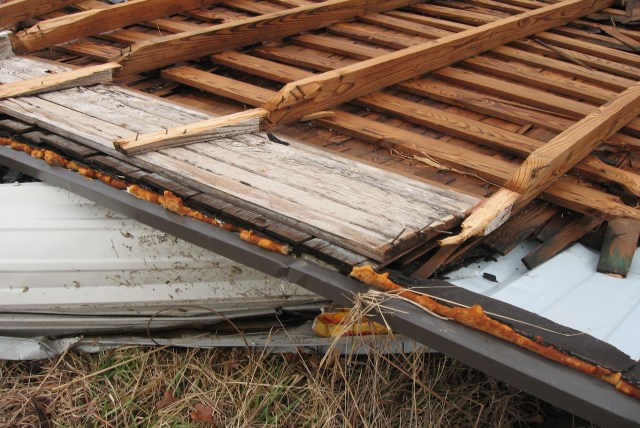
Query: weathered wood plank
x,y
567,236
619,247
321,92
102,73
293,207
89,22
245,122
219,38
549,162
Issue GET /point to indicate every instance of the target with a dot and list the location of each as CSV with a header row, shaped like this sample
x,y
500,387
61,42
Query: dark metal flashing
x,y
578,393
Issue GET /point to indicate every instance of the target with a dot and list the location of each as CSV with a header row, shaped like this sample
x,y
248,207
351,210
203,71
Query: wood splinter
x,y
101,73
233,124
550,162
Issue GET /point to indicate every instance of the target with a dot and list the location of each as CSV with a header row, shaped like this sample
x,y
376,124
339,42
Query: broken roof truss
x,y
259,84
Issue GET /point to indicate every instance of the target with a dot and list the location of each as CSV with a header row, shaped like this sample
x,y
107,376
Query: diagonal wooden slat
x,y
219,38
89,22
321,92
545,165
565,192
334,87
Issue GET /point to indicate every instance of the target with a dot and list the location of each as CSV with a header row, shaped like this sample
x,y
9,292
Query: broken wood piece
x,y
519,227
550,162
91,75
331,88
619,247
74,26
629,41
570,234
434,262
245,122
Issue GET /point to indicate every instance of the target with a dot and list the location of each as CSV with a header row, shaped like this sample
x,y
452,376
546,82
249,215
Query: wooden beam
x,y
575,230
619,247
546,164
245,122
91,75
89,22
334,87
19,10
565,192
218,38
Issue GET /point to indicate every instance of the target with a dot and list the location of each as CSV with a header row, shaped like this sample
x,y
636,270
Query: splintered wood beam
x,y
19,10
86,23
550,162
91,75
167,50
245,122
331,88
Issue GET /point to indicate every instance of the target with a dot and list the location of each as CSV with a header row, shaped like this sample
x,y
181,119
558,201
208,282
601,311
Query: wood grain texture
x,y
89,22
619,247
567,236
322,92
551,161
91,75
355,205
19,10
245,122
219,38
564,193
519,227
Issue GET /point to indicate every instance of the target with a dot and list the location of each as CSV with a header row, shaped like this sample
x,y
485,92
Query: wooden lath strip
x,y
89,22
19,10
219,38
486,134
324,91
439,120
547,164
332,88
565,192
101,73
245,122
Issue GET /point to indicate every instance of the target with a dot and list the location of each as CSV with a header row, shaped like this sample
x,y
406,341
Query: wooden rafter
x,y
81,24
18,10
324,91
550,162
565,193
101,73
194,44
334,87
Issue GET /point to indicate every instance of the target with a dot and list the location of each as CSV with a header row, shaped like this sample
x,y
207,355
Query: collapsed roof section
x,y
539,98
514,99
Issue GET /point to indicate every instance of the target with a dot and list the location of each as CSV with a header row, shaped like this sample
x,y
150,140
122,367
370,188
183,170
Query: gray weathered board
x,y
357,206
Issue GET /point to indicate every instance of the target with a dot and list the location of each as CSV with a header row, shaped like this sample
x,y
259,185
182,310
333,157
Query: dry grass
x,y
125,388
